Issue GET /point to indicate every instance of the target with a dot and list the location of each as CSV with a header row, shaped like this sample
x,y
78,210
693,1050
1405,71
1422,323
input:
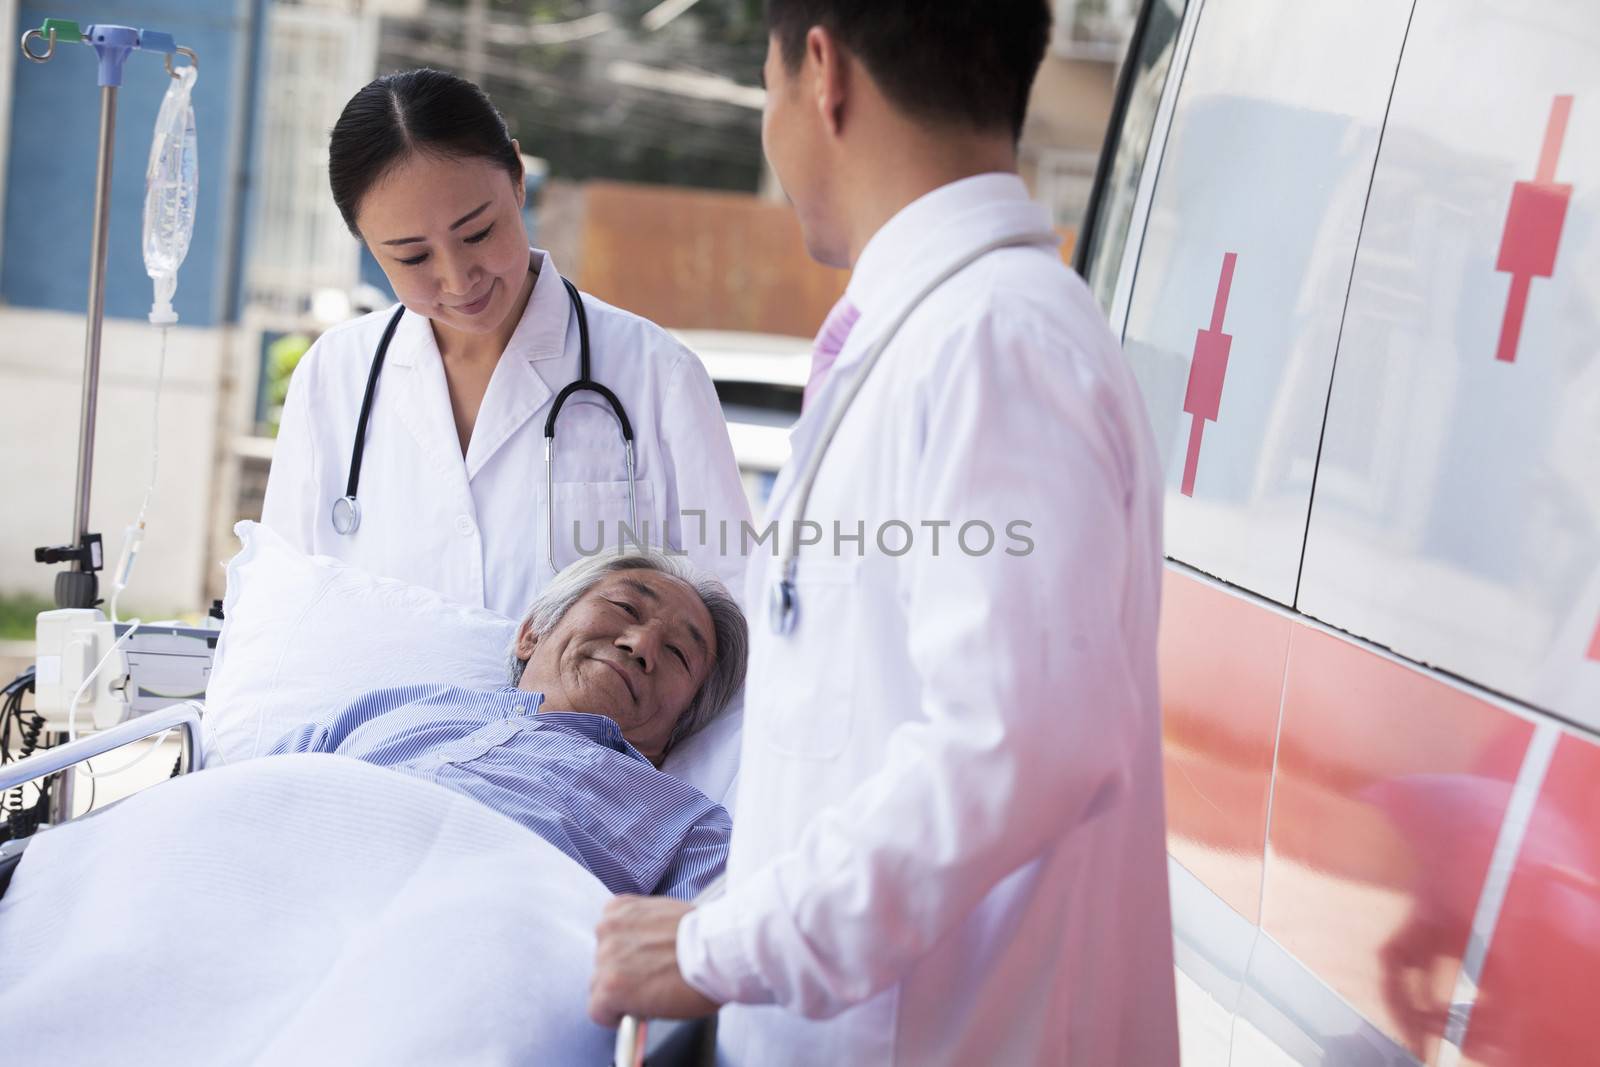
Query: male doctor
x,y
948,844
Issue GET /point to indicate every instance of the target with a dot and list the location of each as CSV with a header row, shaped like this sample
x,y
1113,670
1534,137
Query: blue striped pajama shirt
x,y
568,777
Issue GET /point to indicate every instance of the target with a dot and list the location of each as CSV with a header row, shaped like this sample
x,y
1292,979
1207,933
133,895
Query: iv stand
x,y
80,586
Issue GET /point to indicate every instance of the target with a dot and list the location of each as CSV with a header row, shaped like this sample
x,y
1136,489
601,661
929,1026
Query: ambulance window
x,y
1105,234
1457,508
1243,266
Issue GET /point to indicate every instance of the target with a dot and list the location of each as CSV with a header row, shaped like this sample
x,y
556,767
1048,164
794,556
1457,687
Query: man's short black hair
x,y
961,63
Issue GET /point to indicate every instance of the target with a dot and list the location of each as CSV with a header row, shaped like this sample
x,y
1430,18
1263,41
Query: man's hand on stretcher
x,y
636,963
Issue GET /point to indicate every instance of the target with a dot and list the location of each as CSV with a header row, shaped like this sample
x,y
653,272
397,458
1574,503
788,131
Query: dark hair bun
x,y
397,115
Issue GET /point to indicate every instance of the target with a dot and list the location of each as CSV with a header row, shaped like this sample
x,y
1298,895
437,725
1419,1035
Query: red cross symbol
x,y
1533,228
1206,372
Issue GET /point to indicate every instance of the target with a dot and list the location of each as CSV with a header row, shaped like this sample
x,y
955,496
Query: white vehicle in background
x,y
760,379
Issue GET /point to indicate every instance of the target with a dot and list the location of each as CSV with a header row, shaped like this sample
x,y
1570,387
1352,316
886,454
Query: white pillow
x,y
303,636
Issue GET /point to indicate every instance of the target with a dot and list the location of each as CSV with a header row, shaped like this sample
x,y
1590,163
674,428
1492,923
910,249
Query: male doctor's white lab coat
x,y
949,846
474,528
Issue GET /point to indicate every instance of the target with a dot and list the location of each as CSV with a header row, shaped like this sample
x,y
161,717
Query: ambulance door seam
x,y
1344,311
1266,848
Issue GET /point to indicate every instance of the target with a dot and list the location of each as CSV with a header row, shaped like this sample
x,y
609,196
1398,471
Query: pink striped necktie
x,y
830,342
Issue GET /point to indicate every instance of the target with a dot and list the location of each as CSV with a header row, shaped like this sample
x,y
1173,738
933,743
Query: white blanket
x,y
298,909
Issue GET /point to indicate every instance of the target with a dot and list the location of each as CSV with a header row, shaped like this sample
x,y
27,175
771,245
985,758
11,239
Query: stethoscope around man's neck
x,y
783,606
347,509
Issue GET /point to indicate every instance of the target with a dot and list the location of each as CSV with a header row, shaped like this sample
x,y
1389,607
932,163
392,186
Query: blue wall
x,y
55,110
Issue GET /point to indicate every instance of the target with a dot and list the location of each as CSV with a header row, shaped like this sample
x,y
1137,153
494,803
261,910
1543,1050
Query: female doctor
x,y
451,487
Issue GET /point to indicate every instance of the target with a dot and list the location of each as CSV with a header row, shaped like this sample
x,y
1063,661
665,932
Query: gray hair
x,y
727,621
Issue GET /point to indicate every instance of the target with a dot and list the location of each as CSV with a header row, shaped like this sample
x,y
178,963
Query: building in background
x,y
640,121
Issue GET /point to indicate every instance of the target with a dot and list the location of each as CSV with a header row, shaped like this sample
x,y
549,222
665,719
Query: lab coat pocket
x,y
592,518
810,703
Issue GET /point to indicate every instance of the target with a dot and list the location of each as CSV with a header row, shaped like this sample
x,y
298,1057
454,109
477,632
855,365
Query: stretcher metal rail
x,y
185,717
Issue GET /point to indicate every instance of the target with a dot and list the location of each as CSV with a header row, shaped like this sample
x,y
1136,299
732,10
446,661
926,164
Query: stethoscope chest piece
x,y
346,516
784,607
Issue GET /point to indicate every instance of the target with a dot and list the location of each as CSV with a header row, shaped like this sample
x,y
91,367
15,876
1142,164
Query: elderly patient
x,y
621,658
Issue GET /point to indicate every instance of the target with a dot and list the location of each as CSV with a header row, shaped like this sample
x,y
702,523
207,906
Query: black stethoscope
x,y
347,509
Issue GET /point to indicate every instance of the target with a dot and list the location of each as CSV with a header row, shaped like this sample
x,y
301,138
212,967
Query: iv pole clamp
x,y
80,586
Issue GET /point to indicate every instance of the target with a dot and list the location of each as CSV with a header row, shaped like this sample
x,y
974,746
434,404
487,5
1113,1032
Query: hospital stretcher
x,y
677,1045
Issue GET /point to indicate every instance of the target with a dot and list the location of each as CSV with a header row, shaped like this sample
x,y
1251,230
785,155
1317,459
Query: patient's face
x,y
636,648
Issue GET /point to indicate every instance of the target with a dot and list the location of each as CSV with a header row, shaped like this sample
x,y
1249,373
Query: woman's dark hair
x,y
967,63
413,111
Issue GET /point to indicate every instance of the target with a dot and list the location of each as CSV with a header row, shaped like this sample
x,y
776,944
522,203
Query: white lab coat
x,y
950,843
474,528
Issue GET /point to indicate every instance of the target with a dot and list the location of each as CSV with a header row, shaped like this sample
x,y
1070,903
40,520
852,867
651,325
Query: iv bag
x,y
172,186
